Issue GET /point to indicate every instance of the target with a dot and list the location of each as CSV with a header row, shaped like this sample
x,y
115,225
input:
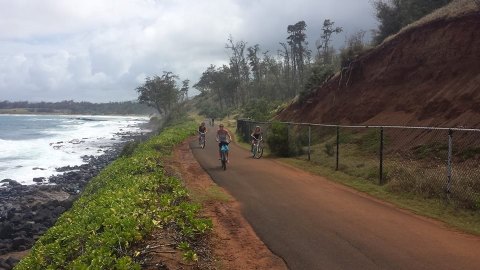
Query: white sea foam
x,y
62,145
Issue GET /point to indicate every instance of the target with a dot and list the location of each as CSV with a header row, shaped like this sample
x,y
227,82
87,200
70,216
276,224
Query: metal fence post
x,y
336,152
381,157
240,127
288,134
309,140
245,129
247,138
449,163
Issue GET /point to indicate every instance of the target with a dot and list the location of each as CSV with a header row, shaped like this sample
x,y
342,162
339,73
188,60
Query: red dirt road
x,y
313,223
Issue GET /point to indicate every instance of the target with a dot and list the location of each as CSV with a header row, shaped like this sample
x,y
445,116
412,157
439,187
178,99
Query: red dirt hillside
x,y
428,74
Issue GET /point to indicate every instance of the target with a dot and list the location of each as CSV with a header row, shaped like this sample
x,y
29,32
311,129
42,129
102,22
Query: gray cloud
x,y
101,50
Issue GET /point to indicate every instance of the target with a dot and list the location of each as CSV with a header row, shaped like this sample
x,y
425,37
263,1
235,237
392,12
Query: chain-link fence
x,y
429,162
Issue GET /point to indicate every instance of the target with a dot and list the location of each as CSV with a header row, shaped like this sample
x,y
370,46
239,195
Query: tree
x,y
395,14
324,42
219,83
254,62
299,50
388,16
239,69
287,68
204,85
160,92
184,89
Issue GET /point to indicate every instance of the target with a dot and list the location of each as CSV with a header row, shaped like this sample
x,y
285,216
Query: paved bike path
x,y
313,223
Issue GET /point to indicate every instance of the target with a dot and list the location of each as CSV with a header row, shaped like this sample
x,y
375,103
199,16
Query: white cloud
x,y
101,50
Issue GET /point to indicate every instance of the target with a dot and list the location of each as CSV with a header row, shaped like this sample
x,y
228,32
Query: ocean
x,y
35,145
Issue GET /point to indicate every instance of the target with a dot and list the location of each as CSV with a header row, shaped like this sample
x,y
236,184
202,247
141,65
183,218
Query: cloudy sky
x,y
100,50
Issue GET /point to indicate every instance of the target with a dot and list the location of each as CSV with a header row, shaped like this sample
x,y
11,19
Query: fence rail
x,y
432,162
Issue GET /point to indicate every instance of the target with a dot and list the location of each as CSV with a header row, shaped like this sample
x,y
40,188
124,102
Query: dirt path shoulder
x,y
234,243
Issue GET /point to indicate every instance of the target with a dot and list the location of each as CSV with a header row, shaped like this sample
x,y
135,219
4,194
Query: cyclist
x,y
224,138
256,135
202,130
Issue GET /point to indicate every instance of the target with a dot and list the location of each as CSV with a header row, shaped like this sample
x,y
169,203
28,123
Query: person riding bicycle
x,y
256,135
224,138
202,130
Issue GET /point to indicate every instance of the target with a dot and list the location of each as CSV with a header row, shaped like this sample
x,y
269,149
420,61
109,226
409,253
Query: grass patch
x,y
213,193
419,169
124,203
431,150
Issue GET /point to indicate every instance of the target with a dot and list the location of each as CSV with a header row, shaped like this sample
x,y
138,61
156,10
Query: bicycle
x,y
257,148
202,140
223,156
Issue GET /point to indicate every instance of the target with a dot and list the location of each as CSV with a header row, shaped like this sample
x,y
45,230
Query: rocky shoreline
x,y
27,211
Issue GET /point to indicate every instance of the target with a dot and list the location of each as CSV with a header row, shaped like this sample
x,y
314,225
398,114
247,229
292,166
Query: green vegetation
x,y
254,79
163,93
395,14
318,74
430,150
281,142
419,170
357,152
125,202
71,107
469,153
260,109
278,139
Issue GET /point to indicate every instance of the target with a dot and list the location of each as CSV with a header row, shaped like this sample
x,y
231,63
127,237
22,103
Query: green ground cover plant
x,y
120,206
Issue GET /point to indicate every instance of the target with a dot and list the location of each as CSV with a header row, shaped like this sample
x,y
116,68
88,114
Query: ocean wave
x,y
62,143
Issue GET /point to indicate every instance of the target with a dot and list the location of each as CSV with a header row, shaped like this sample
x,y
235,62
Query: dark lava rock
x,y
10,182
38,179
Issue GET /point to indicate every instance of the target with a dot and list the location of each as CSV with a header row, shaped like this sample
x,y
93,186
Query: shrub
x,y
319,74
259,109
329,149
278,139
279,142
129,148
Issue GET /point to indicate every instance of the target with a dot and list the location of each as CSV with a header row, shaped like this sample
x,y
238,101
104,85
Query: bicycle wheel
x,y
224,161
203,143
258,152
